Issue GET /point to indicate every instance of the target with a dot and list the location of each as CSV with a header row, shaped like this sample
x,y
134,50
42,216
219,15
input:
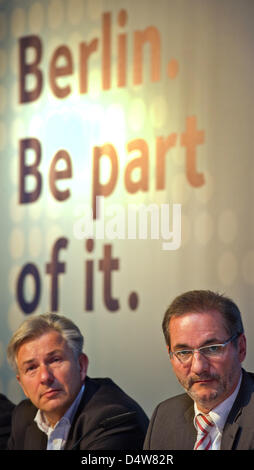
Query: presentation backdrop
x,y
126,140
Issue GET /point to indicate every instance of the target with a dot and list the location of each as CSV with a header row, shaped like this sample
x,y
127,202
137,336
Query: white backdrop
x,y
167,85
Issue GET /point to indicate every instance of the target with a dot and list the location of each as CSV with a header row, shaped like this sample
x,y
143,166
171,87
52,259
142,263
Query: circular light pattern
x,y
14,61
3,63
248,267
17,131
204,193
186,230
14,176
35,241
12,278
180,189
16,210
35,210
54,209
18,22
137,114
75,11
36,17
14,317
3,99
16,243
227,226
158,112
3,135
53,232
227,268
204,228
14,102
55,13
94,9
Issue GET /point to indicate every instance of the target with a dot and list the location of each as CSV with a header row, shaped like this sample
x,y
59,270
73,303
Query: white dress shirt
x,y
219,416
57,435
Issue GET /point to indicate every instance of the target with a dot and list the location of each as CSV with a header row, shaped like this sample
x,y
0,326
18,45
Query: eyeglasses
x,y
212,351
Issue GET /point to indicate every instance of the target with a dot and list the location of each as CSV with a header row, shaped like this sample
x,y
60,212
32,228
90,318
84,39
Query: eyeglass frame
x,y
199,350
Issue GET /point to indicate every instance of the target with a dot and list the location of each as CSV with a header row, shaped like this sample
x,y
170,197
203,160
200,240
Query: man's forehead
x,y
197,324
46,342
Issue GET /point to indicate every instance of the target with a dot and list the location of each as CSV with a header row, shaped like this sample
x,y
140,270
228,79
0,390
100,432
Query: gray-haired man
x,y
66,409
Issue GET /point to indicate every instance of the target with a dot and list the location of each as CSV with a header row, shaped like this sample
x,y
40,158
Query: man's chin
x,y
205,398
50,403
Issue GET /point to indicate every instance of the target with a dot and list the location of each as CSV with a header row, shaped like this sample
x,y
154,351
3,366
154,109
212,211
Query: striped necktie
x,y
203,424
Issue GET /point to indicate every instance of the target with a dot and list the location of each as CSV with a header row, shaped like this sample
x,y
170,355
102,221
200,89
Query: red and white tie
x,y
204,425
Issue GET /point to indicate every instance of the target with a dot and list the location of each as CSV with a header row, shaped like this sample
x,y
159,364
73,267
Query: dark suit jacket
x,y
106,419
171,426
6,408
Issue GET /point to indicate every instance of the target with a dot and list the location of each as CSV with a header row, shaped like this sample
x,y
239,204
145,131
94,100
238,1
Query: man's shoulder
x,y
5,403
249,376
179,402
245,396
104,398
22,425
26,411
171,425
6,409
106,391
173,410
109,418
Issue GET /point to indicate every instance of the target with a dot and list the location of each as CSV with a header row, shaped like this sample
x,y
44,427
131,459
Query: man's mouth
x,y
51,393
206,381
203,381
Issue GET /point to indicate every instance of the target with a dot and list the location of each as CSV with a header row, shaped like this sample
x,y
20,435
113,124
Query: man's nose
x,y
46,375
199,363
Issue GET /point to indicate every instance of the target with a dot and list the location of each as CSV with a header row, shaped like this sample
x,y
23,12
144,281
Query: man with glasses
x,y
206,346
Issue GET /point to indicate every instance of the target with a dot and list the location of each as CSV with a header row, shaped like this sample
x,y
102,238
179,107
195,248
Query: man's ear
x,y
83,363
242,347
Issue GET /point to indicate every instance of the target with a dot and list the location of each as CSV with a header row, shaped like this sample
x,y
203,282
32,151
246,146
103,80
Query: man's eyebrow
x,y
48,355
181,346
28,361
212,340
55,351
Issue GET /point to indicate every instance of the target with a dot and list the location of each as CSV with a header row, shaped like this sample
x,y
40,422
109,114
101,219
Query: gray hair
x,y
35,327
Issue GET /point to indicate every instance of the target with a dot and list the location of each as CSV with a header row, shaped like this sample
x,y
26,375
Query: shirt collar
x,y
220,413
43,423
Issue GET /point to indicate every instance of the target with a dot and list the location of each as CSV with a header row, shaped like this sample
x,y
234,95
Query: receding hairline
x,y
197,311
33,337
35,327
202,301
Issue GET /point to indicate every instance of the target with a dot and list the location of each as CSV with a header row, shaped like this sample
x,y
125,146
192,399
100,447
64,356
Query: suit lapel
x,y
230,436
234,428
189,437
34,438
78,432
